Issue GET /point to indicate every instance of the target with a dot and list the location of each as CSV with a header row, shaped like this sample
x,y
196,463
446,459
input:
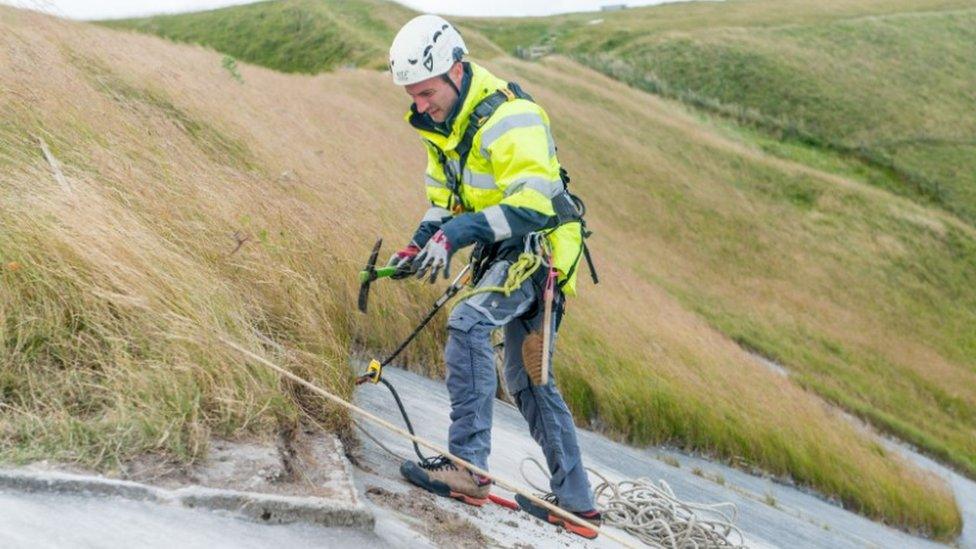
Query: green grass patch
x,y
304,36
886,84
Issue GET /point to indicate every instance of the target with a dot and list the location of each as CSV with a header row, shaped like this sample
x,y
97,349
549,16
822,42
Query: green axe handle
x,y
382,272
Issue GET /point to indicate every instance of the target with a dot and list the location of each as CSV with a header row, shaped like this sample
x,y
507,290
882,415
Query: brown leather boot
x,y
592,516
444,478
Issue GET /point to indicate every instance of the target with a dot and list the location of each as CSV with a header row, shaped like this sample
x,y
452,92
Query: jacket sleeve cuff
x,y
493,224
464,230
433,219
424,231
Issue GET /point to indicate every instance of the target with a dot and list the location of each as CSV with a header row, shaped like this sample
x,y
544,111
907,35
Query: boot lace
x,y
437,463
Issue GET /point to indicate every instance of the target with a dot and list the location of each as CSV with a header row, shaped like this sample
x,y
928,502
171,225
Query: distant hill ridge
x,y
304,36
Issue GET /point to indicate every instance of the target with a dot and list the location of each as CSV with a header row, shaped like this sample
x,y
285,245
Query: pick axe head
x,y
368,275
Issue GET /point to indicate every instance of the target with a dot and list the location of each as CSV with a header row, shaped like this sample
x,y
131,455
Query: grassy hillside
x,y
118,283
866,298
889,83
305,36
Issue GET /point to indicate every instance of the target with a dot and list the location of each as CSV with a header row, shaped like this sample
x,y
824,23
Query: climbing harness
x,y
653,514
534,255
570,208
478,117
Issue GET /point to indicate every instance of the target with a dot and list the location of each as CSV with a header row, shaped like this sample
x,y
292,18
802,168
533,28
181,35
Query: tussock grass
x,y
126,281
110,322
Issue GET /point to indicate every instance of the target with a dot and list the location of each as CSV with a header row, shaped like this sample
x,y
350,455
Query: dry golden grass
x,y
126,280
167,158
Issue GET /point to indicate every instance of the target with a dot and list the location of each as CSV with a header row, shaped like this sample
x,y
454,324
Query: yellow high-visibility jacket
x,y
508,182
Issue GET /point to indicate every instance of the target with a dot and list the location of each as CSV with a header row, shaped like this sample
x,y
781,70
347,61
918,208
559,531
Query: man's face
x,y
434,96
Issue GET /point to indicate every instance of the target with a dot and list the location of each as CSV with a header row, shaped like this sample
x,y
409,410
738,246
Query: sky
x,y
113,9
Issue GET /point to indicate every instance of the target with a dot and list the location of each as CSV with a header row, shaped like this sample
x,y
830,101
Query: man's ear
x,y
457,73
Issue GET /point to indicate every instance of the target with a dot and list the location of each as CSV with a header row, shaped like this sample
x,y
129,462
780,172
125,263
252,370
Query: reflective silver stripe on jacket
x,y
479,180
521,120
435,213
547,187
431,182
496,220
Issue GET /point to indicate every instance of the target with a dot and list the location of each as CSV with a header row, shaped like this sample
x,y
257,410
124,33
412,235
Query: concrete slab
x,y
248,479
60,521
254,505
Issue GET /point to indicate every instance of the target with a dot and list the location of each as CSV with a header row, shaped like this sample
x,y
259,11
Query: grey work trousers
x,y
471,383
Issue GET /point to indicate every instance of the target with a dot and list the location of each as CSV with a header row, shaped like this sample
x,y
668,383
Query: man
x,y
499,196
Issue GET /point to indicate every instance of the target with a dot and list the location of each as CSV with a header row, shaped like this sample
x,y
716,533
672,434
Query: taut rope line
x,y
430,446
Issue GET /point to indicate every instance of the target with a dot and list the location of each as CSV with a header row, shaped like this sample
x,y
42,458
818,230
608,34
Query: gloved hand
x,y
435,256
403,261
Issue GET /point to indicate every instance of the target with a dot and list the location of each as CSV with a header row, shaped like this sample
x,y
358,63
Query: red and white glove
x,y
403,261
435,256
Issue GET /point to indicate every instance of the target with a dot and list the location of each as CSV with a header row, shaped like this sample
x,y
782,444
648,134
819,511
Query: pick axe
x,y
371,273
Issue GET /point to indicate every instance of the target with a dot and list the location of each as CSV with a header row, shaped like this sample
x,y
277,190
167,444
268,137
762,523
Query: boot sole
x,y
577,529
477,502
417,476
543,514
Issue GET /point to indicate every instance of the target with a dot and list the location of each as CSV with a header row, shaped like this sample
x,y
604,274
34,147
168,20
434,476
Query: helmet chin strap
x,y
447,75
447,78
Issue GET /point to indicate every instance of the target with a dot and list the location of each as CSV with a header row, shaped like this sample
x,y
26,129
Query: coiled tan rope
x,y
653,514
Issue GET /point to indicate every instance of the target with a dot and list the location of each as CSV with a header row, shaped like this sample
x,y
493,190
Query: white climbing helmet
x,y
426,46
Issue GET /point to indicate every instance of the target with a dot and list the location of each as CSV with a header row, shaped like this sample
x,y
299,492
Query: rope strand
x,y
518,272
